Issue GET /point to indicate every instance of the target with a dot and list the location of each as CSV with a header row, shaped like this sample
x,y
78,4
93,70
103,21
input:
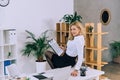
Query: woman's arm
x,y
80,48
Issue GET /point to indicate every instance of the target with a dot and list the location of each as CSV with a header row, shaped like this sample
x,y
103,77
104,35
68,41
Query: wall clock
x,y
4,3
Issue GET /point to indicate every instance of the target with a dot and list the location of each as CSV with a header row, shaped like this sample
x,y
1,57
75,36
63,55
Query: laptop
x,y
59,73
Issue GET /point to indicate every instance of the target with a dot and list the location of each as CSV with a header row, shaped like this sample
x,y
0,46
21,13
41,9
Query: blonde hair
x,y
79,26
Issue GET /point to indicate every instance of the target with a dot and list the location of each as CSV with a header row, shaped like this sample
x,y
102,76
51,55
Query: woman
x,y
74,49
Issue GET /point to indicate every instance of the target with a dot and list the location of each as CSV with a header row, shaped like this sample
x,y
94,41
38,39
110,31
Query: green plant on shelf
x,y
69,18
9,54
90,29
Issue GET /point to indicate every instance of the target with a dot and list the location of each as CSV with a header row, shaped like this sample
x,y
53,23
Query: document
x,y
55,47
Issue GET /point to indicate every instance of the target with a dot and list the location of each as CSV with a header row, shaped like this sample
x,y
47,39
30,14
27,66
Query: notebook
x,y
55,47
40,76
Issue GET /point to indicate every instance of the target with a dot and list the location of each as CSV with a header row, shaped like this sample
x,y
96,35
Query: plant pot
x,y
117,60
41,66
90,31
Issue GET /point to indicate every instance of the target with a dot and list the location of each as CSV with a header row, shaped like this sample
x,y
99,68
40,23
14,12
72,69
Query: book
x,y
42,77
56,48
6,63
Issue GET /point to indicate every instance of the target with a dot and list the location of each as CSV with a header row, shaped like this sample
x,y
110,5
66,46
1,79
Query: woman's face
x,y
75,31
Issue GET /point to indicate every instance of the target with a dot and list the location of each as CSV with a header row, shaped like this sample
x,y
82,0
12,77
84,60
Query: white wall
x,y
90,11
35,16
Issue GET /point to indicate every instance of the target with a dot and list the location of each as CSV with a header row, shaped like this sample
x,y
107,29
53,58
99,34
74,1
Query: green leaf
x,y
70,18
115,49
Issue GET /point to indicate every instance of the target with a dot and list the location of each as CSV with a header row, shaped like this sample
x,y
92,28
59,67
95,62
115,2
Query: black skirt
x,y
63,61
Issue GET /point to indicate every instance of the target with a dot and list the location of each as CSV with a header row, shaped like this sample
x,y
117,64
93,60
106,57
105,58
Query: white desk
x,y
91,74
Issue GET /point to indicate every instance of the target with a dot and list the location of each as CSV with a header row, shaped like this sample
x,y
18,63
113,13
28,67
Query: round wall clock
x,y
4,3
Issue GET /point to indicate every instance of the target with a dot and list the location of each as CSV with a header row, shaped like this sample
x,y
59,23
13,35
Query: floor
x,y
112,71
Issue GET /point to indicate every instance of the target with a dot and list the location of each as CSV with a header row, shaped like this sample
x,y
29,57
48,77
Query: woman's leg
x,y
56,61
48,55
62,61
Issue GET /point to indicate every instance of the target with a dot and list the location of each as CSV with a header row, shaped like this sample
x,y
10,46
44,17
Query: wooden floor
x,y
112,71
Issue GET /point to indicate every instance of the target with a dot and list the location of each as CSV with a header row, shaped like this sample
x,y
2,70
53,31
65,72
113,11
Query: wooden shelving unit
x,y
62,32
92,49
93,52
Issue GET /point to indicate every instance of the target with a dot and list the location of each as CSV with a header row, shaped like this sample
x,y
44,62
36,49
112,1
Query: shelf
x,y
7,44
58,31
11,59
1,53
11,44
1,60
95,48
6,29
63,31
95,63
97,33
1,69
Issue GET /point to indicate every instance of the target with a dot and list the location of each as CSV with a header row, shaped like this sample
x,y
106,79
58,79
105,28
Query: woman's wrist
x,y
76,70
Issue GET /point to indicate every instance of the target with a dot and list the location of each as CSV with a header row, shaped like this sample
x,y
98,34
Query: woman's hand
x,y
74,73
63,48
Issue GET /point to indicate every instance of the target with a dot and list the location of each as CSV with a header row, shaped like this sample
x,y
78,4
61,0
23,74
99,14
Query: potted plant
x,y
115,50
36,47
90,29
9,54
69,18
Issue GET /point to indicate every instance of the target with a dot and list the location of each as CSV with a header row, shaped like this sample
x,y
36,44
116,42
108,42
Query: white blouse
x,y
75,48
